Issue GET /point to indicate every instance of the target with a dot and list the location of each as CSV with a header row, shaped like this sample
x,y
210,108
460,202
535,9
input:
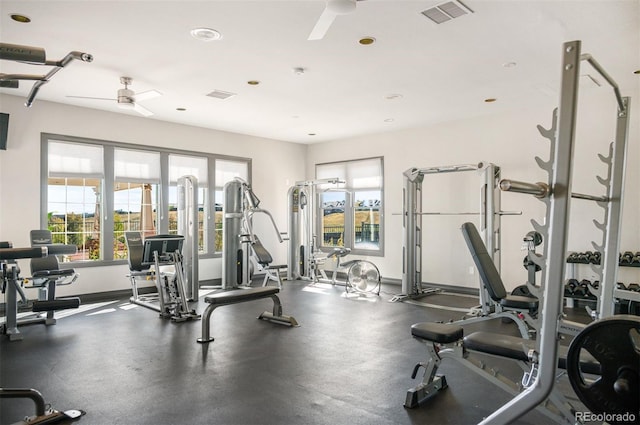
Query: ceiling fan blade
x,y
142,110
322,26
93,98
145,95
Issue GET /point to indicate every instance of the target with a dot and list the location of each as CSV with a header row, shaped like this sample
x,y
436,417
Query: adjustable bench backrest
x,y
485,265
264,257
134,244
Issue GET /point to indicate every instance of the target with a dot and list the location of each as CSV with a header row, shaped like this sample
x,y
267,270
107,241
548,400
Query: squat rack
x,y
557,194
412,214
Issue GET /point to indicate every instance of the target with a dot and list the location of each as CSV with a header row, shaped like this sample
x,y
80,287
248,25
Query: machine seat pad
x,y
53,273
437,332
520,302
241,295
499,345
278,267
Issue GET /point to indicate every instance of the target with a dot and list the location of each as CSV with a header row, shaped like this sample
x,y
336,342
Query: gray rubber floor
x,y
349,362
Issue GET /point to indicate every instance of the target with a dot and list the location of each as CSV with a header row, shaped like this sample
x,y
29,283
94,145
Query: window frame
x,y
107,223
349,224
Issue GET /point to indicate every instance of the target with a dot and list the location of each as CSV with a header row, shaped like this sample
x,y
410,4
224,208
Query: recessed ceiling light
x,y
393,96
205,34
253,82
509,64
367,41
637,71
23,19
389,120
311,134
299,70
490,100
181,109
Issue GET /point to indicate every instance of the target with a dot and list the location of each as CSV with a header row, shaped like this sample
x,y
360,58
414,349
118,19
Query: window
x,y
74,187
97,190
135,196
351,213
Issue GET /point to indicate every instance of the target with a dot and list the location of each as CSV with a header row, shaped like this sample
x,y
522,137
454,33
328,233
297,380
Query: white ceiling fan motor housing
x,y
126,98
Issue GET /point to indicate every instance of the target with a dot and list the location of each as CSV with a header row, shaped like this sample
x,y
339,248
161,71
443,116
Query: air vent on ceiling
x,y
447,11
220,94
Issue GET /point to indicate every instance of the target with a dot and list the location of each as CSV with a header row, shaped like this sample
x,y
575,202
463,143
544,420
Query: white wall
x,y
510,141
275,165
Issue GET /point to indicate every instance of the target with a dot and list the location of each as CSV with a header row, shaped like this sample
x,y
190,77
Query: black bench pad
x,y
520,302
437,332
518,348
499,345
241,295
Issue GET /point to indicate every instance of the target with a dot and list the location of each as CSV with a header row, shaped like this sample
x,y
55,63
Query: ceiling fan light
x,y
125,105
341,7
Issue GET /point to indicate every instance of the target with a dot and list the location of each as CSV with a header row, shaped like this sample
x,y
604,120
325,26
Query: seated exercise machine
x,y
264,260
240,204
170,299
46,276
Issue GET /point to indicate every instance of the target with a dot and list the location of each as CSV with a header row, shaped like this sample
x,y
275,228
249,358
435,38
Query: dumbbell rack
x,y
621,291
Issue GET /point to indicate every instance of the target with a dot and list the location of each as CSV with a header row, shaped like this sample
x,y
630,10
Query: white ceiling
x,y
443,72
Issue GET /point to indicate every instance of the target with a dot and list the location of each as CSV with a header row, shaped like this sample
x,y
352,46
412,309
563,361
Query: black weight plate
x,y
615,343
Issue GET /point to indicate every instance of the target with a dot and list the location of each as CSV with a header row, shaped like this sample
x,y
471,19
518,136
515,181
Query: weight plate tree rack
x,y
557,194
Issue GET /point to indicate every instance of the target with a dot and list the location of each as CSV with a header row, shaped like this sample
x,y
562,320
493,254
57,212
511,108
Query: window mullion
x,y
163,203
349,220
108,208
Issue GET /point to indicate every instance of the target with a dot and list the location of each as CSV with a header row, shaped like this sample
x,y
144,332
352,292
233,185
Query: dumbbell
x,y
570,287
626,258
621,286
595,257
581,289
583,257
572,258
595,284
636,258
633,287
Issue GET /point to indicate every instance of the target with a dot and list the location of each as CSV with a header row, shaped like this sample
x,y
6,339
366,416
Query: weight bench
x,y
447,340
520,309
236,296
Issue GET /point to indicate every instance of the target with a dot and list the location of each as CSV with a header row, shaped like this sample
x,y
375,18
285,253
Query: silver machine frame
x,y
557,196
188,227
303,259
35,56
412,214
239,207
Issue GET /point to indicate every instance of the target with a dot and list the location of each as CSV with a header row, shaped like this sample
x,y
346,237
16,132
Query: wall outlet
x,y
471,270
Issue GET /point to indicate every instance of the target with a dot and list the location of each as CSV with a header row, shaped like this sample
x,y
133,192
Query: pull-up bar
x,y
587,57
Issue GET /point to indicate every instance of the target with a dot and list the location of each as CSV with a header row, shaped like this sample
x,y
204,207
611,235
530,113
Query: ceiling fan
x,y
128,99
331,11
